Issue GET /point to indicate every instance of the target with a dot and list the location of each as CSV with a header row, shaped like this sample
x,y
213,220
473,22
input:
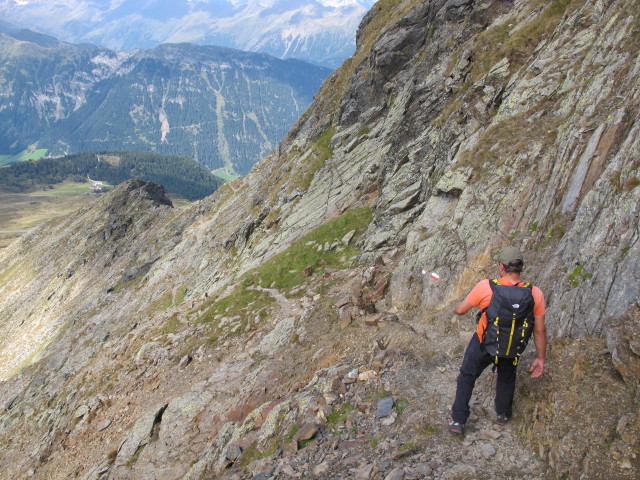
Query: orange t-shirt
x,y
480,296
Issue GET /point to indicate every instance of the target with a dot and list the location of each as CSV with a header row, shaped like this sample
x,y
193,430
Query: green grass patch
x,y
321,151
179,202
429,429
167,300
408,446
180,295
336,417
577,276
227,173
284,270
172,325
292,433
401,405
254,452
23,156
432,29
120,285
339,414
303,443
229,316
374,441
241,302
553,234
31,358
573,276
162,303
512,136
364,131
68,189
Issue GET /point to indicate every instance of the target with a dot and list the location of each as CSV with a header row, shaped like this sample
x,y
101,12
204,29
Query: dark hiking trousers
x,y
476,359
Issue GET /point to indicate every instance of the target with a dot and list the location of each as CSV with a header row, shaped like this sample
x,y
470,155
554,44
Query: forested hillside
x,y
222,107
177,174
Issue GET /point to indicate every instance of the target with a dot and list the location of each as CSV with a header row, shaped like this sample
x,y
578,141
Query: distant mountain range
x,y
221,106
317,31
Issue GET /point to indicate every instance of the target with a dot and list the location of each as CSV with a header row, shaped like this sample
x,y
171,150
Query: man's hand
x,y
540,339
463,307
537,368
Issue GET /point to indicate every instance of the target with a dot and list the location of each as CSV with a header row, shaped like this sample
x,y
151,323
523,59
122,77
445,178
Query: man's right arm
x,y
463,307
473,299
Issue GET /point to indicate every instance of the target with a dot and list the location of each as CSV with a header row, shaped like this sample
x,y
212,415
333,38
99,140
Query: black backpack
x,y
509,320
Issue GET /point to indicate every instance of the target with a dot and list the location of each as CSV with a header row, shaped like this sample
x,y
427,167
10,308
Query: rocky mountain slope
x,y
220,106
282,327
317,31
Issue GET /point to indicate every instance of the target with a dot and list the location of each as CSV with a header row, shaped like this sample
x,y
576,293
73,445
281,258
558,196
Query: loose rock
x,y
307,432
389,420
81,411
385,405
320,469
351,377
364,473
347,238
395,474
103,425
369,374
488,450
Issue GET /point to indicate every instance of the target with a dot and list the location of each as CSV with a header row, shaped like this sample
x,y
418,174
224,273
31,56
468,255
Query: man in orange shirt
x,y
476,357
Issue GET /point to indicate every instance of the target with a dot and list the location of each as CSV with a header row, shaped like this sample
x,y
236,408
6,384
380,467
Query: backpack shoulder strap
x,y
520,284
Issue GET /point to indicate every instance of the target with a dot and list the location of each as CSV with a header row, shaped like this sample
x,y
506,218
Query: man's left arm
x,y
540,340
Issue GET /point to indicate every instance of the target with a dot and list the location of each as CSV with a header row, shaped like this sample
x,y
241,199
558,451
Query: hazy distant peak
x,y
317,31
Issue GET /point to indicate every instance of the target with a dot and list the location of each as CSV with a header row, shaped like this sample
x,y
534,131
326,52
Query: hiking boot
x,y
502,419
456,427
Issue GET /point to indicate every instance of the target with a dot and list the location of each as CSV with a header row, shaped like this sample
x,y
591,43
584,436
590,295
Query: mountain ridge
x,y
173,99
506,123
317,31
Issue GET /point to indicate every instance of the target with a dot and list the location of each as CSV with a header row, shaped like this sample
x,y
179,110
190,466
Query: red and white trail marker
x,y
433,275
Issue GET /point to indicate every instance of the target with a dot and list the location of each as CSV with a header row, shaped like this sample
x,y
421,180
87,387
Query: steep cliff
x,y
283,327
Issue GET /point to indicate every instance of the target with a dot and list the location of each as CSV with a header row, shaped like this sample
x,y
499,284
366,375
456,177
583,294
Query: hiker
x,y
504,327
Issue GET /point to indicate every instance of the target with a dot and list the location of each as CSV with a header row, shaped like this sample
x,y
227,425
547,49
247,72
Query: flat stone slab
x,y
385,406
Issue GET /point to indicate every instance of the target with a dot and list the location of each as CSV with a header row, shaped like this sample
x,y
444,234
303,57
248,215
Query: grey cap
x,y
509,254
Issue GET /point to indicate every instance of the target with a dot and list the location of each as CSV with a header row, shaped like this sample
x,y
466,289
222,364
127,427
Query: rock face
x,y
458,127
